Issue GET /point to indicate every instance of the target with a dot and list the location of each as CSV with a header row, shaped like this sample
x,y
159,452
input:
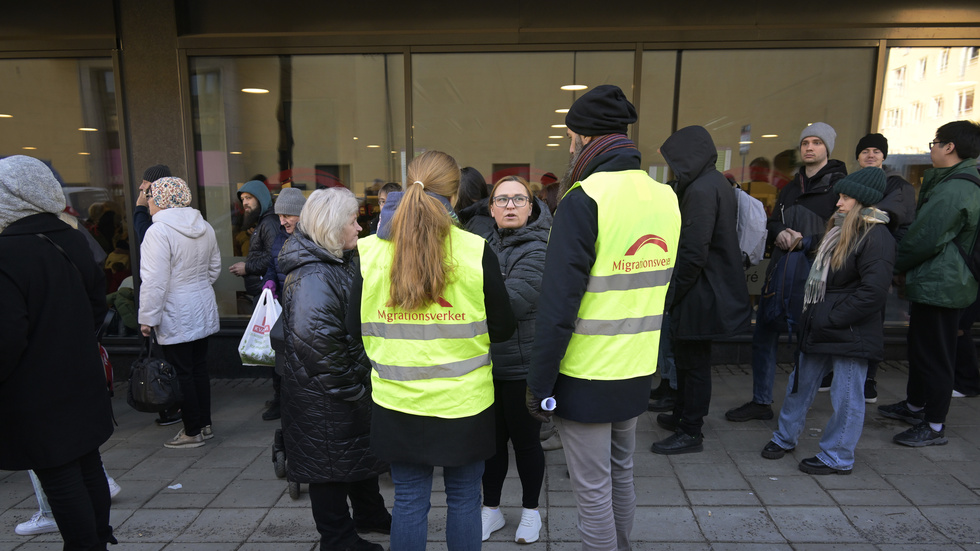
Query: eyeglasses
x,y
935,143
501,201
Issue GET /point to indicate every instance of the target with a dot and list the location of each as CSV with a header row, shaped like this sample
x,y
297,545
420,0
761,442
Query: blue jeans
x,y
843,430
410,514
764,343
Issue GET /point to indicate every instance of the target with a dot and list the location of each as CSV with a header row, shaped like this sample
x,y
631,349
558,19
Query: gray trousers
x,y
600,464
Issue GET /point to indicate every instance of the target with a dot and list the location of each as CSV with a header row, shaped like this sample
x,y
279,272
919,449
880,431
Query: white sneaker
x,y
207,433
530,527
39,524
114,488
493,520
958,394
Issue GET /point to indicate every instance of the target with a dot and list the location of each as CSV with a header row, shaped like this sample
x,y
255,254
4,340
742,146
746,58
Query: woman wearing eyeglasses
x,y
519,238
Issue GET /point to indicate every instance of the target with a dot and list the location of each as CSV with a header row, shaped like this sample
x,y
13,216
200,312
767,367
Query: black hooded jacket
x,y
708,298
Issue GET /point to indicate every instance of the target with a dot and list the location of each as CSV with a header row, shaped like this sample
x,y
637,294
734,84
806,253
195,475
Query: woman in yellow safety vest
x,y
427,303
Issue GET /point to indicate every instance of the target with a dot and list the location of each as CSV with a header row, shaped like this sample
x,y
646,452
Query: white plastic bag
x,y
256,348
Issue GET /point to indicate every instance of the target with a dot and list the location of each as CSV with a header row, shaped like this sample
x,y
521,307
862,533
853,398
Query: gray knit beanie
x,y
27,187
290,201
866,185
821,130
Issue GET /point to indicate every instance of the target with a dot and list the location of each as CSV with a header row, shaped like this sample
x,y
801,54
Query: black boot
x,y
272,413
665,402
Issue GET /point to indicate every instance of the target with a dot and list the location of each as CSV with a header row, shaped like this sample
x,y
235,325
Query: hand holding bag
x,y
255,347
153,383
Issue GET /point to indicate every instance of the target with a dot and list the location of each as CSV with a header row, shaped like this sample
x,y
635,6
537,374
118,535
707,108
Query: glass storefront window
x,y
656,109
63,112
502,113
302,121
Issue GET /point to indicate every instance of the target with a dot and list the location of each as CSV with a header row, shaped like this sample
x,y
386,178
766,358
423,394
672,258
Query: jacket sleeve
x,y
354,309
775,224
874,265
500,317
155,263
214,266
699,213
320,339
938,222
141,223
14,325
524,281
568,263
260,246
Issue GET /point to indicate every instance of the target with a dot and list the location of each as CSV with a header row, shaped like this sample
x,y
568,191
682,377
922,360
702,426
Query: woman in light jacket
x,y
520,239
841,330
179,261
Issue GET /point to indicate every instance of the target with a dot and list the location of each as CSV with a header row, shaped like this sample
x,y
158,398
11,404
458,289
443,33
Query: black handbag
x,y
153,383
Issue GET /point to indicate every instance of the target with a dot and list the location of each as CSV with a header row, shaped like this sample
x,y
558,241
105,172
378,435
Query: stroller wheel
x,y
294,490
279,460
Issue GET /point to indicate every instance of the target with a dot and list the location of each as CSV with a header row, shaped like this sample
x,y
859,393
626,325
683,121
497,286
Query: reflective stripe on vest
x,y
617,333
434,361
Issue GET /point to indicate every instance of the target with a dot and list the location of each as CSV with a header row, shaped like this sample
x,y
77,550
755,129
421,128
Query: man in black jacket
x,y
797,223
708,277
257,202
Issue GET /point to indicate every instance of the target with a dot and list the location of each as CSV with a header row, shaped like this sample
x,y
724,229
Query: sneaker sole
x,y
871,400
934,442
167,423
522,540
823,471
763,417
179,446
776,455
693,449
35,532
897,417
493,528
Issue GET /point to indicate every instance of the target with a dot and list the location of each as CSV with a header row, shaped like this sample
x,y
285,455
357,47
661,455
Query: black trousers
x,y
332,517
514,423
932,353
190,359
693,361
79,497
966,377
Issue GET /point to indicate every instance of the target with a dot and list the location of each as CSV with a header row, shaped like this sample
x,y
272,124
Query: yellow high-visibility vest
x,y
617,333
435,361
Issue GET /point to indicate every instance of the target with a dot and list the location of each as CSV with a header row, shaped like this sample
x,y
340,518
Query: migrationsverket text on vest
x,y
624,266
420,316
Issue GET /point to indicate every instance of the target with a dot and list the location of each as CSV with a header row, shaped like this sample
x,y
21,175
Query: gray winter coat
x,y
521,255
326,397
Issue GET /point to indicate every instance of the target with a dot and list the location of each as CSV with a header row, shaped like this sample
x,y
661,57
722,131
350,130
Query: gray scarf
x,y
816,281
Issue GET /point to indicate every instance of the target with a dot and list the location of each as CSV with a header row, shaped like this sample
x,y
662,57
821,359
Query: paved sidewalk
x,y
726,498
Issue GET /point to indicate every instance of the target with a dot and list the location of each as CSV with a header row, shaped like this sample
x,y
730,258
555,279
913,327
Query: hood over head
x,y
259,191
185,220
690,152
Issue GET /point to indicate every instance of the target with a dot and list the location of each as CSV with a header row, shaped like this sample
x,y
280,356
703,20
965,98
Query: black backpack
x,y
973,258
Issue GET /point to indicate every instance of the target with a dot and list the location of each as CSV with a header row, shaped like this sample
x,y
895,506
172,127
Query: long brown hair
x,y
421,269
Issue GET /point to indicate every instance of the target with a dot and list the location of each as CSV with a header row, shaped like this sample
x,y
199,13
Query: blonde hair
x,y
324,216
852,230
421,267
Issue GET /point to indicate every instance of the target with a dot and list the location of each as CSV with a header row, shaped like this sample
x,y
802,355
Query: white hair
x,y
324,216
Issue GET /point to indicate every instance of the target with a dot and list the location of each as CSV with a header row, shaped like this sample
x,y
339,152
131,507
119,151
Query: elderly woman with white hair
x,y
179,263
326,395
54,404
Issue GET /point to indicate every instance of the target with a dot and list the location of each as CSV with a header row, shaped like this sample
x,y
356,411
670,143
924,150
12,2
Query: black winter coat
x,y
805,205
708,295
476,218
899,203
54,405
326,397
847,322
521,255
260,250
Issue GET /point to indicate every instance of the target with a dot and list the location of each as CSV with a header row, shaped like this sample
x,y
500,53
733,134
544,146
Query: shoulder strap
x,y
110,314
970,176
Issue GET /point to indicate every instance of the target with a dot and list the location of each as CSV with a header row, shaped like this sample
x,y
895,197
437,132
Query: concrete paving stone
x,y
158,467
286,525
752,439
658,490
9,519
197,546
869,497
557,478
715,476
862,477
135,493
723,497
250,493
834,547
562,524
647,462
967,473
261,468
714,453
58,546
753,464
933,489
491,545
232,457
901,525
250,438
960,524
561,499
737,524
13,490
898,460
172,499
751,547
956,451
203,480
303,501
665,524
120,458
279,546
968,434
789,490
223,525
921,547
155,525
814,524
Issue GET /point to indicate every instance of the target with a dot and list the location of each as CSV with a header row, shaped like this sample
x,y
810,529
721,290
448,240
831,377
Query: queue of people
x,y
429,344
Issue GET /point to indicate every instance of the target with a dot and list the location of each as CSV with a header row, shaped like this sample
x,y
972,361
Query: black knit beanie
x,y
866,185
600,111
876,141
156,172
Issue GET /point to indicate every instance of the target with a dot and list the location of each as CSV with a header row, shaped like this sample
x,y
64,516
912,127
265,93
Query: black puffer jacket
x,y
805,205
326,399
476,218
899,203
521,255
708,296
847,322
260,251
